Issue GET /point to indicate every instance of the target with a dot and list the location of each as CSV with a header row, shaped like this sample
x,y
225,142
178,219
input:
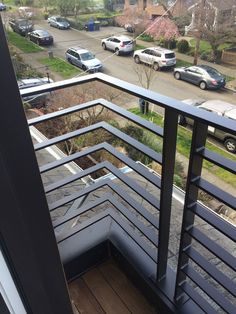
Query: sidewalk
x,y
226,70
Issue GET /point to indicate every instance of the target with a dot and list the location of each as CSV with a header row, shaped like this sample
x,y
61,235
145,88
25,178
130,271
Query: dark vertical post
x,y
26,234
191,197
167,178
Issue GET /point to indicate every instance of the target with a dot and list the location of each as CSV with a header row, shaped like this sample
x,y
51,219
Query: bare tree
x,y
145,75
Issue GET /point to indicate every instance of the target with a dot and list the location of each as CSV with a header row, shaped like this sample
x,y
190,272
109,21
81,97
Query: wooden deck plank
x,y
83,299
130,295
105,295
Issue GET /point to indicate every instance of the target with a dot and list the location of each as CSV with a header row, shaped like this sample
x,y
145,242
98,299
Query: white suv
x,y
119,44
157,57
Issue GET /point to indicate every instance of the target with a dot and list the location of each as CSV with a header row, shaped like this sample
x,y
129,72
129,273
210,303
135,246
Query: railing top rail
x,y
156,98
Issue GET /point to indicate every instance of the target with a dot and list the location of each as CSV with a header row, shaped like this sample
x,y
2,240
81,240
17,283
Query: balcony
x,y
128,213
180,256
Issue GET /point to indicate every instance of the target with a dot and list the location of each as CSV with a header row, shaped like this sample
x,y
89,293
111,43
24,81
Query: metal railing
x,y
206,267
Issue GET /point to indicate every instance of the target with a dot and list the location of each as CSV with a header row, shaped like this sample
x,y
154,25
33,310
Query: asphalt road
x,y
122,67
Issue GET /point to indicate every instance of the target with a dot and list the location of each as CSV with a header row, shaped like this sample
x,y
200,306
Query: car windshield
x,y
127,42
213,72
60,19
24,23
43,33
86,56
170,55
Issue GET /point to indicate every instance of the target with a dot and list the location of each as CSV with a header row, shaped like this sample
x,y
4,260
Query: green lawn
x,y
181,63
137,47
184,143
22,43
205,46
60,66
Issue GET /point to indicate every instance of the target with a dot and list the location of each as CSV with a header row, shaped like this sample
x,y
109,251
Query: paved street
x,y
123,66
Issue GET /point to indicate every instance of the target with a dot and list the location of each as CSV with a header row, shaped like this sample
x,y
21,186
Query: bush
x,y
183,46
169,44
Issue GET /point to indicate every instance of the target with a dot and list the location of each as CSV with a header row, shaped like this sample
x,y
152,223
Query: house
x,y
153,9
60,237
216,13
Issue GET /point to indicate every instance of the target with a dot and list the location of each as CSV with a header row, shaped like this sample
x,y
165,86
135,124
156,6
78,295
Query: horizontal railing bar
x,y
151,252
214,220
79,211
68,233
218,160
100,102
212,270
209,289
92,188
137,206
126,160
67,199
151,96
216,192
213,247
69,179
145,230
105,165
126,138
197,298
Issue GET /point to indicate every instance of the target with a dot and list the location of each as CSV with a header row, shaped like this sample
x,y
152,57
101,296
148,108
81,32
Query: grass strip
x,y
22,43
184,138
60,66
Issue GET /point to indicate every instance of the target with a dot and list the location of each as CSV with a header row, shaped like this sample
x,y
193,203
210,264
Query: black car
x,y
204,76
41,37
21,26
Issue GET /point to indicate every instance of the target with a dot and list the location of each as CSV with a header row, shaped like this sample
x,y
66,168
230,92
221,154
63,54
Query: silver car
x,y
58,22
219,107
83,59
38,100
157,57
119,44
204,76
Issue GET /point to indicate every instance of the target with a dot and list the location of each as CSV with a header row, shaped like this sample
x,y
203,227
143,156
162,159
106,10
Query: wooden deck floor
x,y
106,289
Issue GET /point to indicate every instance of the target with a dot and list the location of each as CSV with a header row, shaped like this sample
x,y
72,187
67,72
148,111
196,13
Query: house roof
x,y
158,10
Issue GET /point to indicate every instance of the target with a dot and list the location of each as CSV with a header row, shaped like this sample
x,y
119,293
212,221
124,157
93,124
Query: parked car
x,y
202,75
83,59
221,108
40,37
38,100
26,12
157,57
3,7
129,28
21,26
58,22
119,44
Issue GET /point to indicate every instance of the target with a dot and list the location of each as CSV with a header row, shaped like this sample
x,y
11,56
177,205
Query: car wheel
x,y
203,85
156,66
117,52
230,145
84,68
69,60
104,46
177,75
136,59
182,120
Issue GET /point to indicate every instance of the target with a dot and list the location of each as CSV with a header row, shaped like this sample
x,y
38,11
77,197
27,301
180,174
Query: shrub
x,y
183,46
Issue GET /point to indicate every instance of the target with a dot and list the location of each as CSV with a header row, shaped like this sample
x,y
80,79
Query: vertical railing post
x,y
167,178
191,197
